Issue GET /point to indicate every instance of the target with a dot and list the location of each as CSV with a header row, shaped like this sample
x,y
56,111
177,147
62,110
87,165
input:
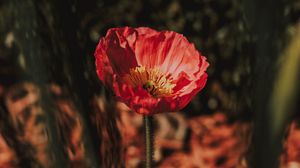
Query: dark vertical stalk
x,y
74,64
148,124
265,19
35,51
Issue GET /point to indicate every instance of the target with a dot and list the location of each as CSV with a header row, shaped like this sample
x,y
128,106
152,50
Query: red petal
x,y
180,57
169,51
138,99
189,91
169,104
147,49
104,69
182,81
119,43
203,65
146,31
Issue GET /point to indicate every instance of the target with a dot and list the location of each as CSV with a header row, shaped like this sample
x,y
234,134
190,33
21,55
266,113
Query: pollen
x,y
152,80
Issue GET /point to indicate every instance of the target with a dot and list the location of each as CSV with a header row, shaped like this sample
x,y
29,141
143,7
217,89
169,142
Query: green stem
x,y
148,140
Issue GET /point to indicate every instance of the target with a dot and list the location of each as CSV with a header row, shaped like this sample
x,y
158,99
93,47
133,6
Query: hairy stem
x,y
148,140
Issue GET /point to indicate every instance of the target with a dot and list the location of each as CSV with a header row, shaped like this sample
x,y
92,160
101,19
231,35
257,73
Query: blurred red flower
x,y
151,71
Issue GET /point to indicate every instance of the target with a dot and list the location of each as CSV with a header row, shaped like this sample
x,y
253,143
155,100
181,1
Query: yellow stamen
x,y
152,80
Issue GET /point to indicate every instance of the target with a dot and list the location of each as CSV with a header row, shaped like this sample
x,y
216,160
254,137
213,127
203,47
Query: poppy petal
x,y
119,44
165,57
103,65
189,91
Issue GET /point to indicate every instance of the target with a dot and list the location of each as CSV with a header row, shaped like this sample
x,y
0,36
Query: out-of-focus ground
x,y
209,140
213,131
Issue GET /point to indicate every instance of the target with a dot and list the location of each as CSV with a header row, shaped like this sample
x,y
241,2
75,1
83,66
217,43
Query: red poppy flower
x,y
151,71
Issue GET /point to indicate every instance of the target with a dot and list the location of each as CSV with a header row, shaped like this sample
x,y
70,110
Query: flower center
x,y
152,80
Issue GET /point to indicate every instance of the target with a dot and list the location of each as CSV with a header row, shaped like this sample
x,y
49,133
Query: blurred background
x,y
54,112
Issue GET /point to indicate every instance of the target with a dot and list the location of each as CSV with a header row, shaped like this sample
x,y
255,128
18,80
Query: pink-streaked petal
x,y
203,65
182,81
190,91
169,51
146,31
147,49
180,56
158,50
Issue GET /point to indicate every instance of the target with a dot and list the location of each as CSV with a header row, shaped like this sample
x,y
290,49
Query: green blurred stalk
x,y
286,85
